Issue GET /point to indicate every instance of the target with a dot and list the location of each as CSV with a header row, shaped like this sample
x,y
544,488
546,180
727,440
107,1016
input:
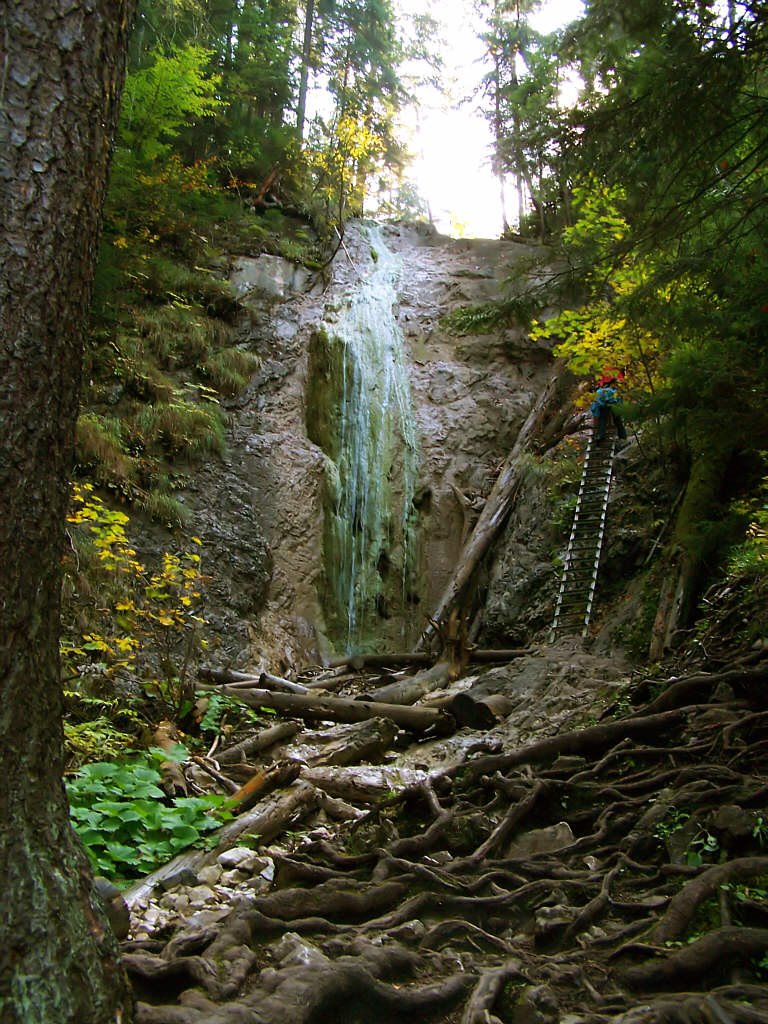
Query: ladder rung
x,y
580,570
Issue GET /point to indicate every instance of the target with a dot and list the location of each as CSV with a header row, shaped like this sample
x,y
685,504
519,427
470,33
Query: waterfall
x,y
359,411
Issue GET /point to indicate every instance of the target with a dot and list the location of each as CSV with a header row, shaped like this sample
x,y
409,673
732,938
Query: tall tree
x,y
521,92
306,55
61,75
673,117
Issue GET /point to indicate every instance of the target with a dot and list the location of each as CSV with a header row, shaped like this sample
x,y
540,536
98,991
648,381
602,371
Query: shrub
x,y
127,829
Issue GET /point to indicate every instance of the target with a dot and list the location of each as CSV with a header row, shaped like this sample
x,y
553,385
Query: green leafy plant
x,y
672,822
224,713
751,556
127,829
703,845
760,831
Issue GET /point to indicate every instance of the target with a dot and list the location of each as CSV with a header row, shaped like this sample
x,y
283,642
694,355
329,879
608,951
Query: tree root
x,y
701,960
683,906
487,991
423,888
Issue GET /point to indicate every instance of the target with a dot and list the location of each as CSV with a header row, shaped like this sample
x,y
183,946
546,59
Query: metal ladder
x,y
582,557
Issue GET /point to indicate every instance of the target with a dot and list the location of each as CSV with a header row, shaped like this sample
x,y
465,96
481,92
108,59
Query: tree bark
x,y
409,690
256,744
363,783
689,550
306,55
61,74
340,709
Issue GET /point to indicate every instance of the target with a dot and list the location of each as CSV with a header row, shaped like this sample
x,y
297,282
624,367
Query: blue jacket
x,y
604,397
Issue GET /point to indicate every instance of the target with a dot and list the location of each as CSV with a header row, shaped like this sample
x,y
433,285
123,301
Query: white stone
x,y
200,895
235,857
233,877
205,917
293,951
267,274
209,875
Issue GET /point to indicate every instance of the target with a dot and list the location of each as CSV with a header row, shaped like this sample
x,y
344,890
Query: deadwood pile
x,y
616,872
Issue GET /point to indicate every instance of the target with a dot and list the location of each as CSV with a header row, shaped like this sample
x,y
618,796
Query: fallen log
x,y
261,741
329,681
493,515
266,821
410,689
270,682
482,657
263,782
363,783
264,680
341,709
363,741
339,809
359,661
479,712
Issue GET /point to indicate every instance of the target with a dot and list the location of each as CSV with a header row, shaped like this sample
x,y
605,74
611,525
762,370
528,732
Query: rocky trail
x,y
598,854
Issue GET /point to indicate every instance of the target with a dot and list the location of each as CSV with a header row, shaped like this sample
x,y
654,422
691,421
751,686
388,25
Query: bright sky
x,y
451,142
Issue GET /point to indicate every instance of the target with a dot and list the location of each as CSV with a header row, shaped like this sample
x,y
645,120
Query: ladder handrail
x,y
585,543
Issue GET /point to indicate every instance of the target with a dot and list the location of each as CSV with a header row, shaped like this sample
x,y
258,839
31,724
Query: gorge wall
x,y
270,511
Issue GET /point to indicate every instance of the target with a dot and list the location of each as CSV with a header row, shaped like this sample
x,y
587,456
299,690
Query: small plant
x,y
135,619
672,822
230,369
751,556
181,426
703,844
127,829
760,831
222,713
746,893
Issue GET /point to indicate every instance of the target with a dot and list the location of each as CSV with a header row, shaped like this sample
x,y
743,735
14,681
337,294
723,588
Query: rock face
x,y
263,512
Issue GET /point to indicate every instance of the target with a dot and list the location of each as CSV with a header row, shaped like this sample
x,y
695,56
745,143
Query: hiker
x,y
604,408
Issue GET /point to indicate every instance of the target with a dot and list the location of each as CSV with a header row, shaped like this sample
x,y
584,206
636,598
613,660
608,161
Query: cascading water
x,y
359,412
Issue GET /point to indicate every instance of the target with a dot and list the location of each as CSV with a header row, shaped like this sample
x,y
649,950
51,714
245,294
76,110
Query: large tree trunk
x,y
61,72
689,548
494,513
306,56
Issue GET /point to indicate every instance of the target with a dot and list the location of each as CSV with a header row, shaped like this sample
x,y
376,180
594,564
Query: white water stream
x,y
376,467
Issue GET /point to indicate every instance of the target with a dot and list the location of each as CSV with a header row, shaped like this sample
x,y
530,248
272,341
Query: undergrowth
x,y
120,813
486,317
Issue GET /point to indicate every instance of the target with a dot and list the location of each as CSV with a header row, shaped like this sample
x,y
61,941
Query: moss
x,y
328,366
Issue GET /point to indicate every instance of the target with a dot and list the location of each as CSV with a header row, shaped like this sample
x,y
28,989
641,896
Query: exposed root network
x,y
613,873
